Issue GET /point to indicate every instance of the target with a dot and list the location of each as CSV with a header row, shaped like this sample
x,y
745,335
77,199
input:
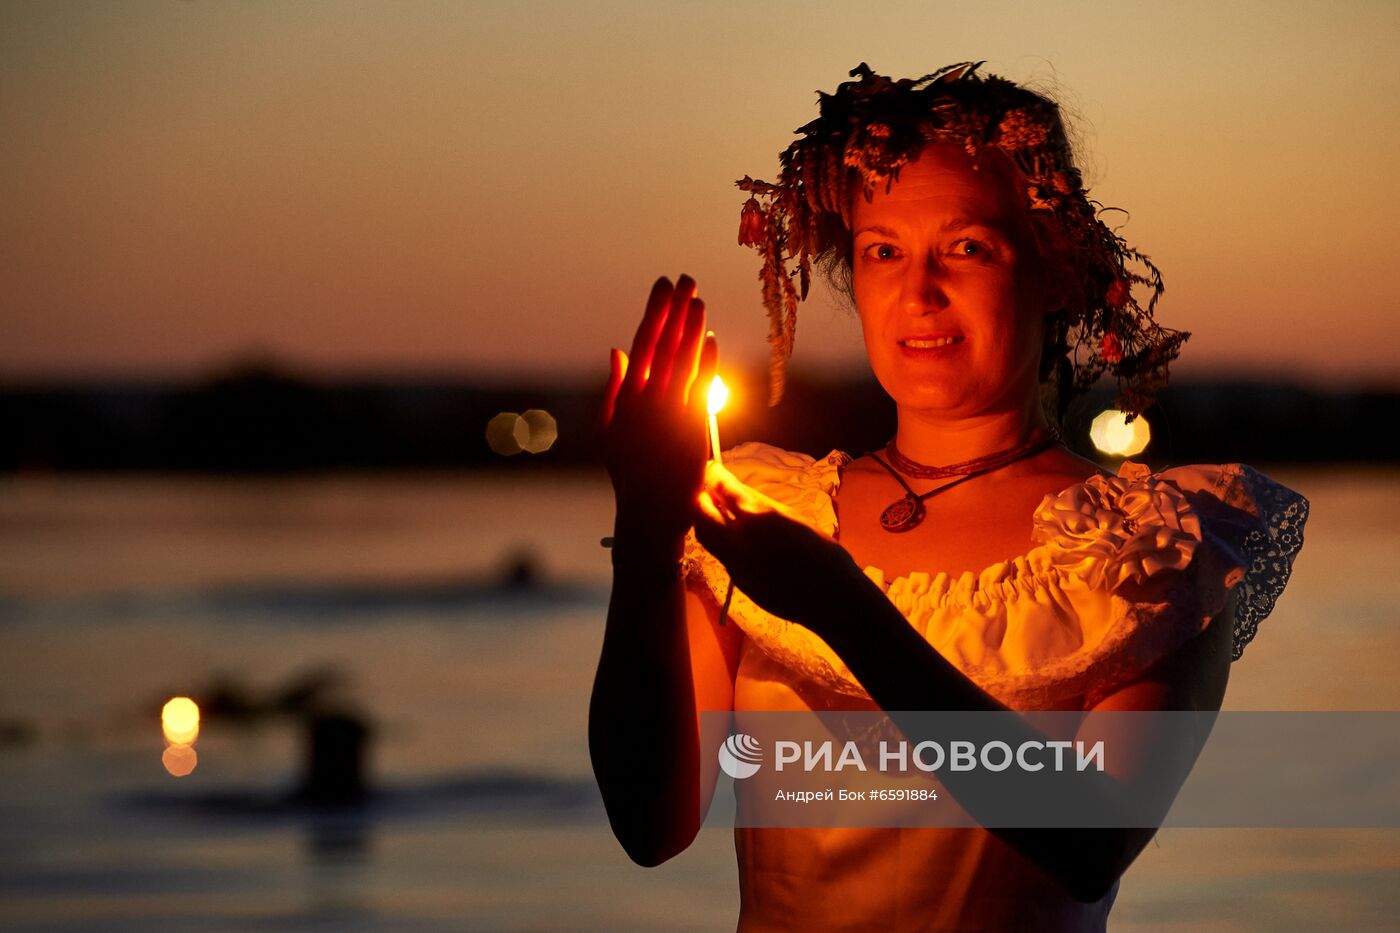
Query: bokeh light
x,y
179,719
543,431
533,432
507,433
1112,434
179,760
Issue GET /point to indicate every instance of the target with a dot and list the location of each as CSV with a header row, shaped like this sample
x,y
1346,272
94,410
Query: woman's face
x,y
946,287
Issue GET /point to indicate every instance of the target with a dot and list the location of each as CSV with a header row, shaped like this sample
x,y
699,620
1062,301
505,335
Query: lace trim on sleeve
x,y
1269,550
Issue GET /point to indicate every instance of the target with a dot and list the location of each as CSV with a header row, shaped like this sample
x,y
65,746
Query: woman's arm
x,y
901,671
665,659
662,656
806,577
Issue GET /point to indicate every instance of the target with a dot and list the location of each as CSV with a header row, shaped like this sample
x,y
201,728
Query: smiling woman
x,y
974,564
949,297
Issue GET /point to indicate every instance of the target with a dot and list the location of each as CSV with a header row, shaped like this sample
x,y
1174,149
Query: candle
x,y
719,394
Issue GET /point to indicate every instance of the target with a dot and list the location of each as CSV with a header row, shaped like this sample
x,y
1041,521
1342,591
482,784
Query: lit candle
x,y
719,394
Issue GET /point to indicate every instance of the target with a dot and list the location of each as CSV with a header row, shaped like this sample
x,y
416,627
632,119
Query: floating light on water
x,y
542,430
1112,434
179,760
719,394
179,719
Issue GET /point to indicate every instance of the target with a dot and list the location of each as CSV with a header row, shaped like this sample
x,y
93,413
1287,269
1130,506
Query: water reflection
x,y
179,760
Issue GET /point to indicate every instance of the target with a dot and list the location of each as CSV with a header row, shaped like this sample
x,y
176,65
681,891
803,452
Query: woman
x,y
986,285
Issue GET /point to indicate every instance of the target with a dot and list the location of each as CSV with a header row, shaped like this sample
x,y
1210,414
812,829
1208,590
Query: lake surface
x,y
392,597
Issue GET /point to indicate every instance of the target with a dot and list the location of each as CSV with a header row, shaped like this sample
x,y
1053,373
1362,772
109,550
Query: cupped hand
x,y
780,562
653,422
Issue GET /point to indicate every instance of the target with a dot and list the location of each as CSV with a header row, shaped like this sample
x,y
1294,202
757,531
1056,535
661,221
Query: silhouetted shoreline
x,y
267,420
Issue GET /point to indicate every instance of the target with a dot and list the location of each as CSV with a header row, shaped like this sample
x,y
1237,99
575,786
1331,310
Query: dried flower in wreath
x,y
872,127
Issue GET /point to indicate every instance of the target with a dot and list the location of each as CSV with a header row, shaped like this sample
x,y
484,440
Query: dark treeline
x,y
264,419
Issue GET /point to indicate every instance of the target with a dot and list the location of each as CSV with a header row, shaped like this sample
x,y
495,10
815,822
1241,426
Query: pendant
x,y
902,514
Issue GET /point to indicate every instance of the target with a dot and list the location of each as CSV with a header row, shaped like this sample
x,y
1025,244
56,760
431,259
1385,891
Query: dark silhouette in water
x,y
336,740
335,759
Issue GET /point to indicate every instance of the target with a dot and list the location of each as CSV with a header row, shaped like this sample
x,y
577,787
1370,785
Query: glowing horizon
x,y
494,187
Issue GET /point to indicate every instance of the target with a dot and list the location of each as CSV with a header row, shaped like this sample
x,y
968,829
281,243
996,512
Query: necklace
x,y
908,511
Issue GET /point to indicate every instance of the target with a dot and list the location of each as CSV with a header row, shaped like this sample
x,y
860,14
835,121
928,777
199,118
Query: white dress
x,y
1126,569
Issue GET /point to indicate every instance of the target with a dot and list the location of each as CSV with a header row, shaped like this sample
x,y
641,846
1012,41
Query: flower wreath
x,y
872,127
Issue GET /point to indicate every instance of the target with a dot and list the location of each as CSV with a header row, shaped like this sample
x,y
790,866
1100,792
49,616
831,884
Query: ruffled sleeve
x,y
799,481
1170,547
806,485
1253,524
1126,569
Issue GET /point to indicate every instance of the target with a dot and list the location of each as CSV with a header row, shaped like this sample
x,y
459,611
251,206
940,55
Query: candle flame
x,y
719,394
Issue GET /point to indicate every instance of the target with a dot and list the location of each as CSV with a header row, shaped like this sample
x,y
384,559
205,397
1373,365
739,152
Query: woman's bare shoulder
x,y
1051,472
1065,463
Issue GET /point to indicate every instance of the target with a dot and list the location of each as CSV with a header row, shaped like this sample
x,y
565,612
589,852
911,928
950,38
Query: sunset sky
x,y
489,188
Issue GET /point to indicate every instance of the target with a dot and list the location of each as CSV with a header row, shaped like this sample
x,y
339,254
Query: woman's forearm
x,y
902,672
642,723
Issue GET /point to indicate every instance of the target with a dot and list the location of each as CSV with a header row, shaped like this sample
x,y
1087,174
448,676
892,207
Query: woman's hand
x,y
787,567
654,419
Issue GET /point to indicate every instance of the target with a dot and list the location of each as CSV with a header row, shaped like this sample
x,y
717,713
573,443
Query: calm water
x,y
118,593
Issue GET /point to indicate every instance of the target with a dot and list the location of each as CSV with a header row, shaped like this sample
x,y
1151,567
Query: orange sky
x,y
491,187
